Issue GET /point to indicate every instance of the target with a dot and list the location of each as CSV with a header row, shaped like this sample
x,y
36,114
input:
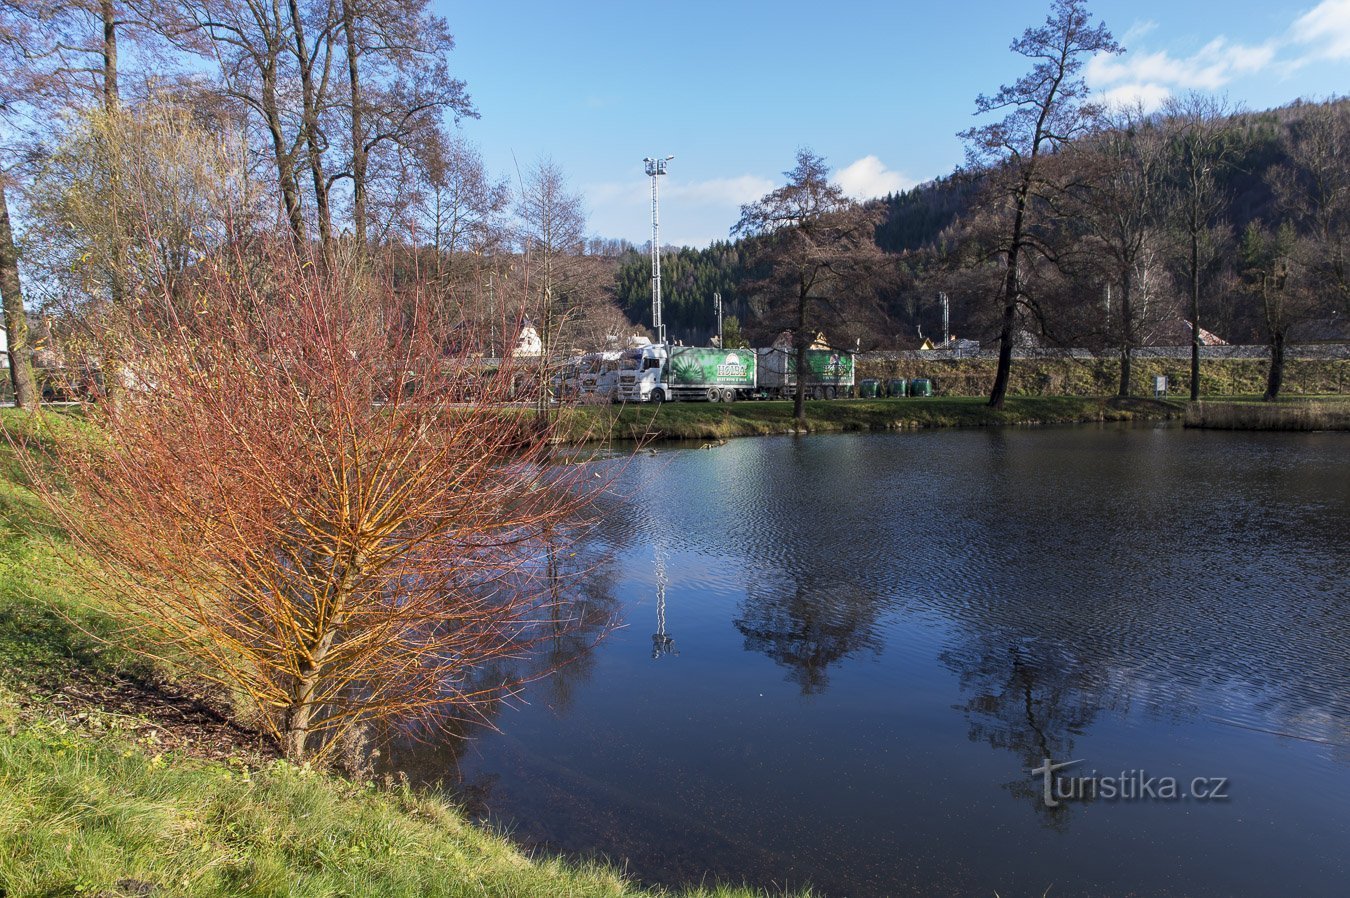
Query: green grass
x,y
701,420
92,803
82,815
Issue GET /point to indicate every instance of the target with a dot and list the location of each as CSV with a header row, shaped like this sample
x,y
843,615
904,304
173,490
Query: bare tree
x,y
1200,150
1119,207
1272,274
291,501
399,87
821,250
132,199
1047,107
25,35
553,233
313,68
16,314
1313,191
249,40
451,203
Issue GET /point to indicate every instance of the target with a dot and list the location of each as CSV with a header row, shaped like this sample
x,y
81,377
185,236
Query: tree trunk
x,y
290,190
310,124
299,718
358,129
802,341
1276,375
1195,315
16,317
1011,290
111,98
1126,336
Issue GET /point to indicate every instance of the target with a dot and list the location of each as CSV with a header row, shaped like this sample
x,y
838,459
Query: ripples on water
x,y
879,634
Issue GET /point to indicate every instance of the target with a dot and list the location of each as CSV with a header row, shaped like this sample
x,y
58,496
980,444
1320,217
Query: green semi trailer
x,y
660,373
830,373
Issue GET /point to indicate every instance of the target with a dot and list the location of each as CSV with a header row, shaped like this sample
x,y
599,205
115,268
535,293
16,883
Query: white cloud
x,y
1210,68
1138,30
718,191
1324,30
1149,97
869,177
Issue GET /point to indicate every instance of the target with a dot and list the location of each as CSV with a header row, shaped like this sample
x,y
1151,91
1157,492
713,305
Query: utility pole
x,y
946,337
717,301
655,169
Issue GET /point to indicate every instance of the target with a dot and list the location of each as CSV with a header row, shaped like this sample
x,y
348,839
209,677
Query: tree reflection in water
x,y
809,626
581,609
1031,696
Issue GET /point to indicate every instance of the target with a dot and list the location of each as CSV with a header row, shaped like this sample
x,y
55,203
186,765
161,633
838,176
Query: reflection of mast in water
x,y
662,643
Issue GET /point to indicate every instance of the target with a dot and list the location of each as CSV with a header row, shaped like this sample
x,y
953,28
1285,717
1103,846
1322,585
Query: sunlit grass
x,y
91,804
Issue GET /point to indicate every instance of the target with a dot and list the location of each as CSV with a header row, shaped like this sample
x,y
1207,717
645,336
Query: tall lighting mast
x,y
655,169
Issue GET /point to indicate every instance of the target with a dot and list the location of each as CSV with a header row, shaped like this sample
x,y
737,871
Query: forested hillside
x,y
938,236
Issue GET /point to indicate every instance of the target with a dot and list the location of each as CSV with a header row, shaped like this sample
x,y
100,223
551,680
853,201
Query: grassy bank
x,y
1099,377
117,780
704,421
110,815
1252,414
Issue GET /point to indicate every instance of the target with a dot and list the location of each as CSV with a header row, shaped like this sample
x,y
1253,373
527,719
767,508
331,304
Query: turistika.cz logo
x,y
1128,785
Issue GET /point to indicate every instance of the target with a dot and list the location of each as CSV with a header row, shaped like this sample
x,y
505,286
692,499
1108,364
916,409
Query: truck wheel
x,y
658,396
728,395
714,394
818,393
831,393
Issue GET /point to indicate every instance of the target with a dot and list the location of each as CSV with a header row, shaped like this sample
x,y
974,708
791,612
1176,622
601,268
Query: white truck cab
x,y
641,374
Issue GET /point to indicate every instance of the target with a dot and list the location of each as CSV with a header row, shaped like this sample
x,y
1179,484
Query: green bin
x,y
897,387
921,386
869,389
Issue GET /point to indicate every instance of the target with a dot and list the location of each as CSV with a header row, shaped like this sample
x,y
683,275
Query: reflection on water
x,y
662,642
880,635
809,626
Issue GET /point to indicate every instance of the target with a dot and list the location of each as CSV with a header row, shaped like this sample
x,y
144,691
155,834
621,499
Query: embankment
x,y
706,421
1100,376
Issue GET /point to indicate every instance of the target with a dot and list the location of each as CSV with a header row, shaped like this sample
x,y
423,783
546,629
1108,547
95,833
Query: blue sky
x,y
732,89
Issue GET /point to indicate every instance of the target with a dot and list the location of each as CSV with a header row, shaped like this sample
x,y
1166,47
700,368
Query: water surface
x,y
869,641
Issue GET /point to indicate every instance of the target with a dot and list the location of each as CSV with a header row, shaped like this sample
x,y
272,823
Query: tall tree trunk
x,y
1195,314
1275,377
1126,335
16,317
111,98
310,124
358,128
1011,294
283,157
802,341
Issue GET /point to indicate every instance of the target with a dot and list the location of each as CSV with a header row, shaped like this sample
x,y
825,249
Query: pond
x,y
864,644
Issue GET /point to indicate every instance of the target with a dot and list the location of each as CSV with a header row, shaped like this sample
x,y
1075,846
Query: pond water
x,y
865,643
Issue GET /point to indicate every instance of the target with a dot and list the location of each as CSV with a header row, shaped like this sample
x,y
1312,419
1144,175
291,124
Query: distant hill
x,y
919,220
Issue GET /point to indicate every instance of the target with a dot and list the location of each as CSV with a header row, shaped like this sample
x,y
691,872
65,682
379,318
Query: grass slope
x,y
116,782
